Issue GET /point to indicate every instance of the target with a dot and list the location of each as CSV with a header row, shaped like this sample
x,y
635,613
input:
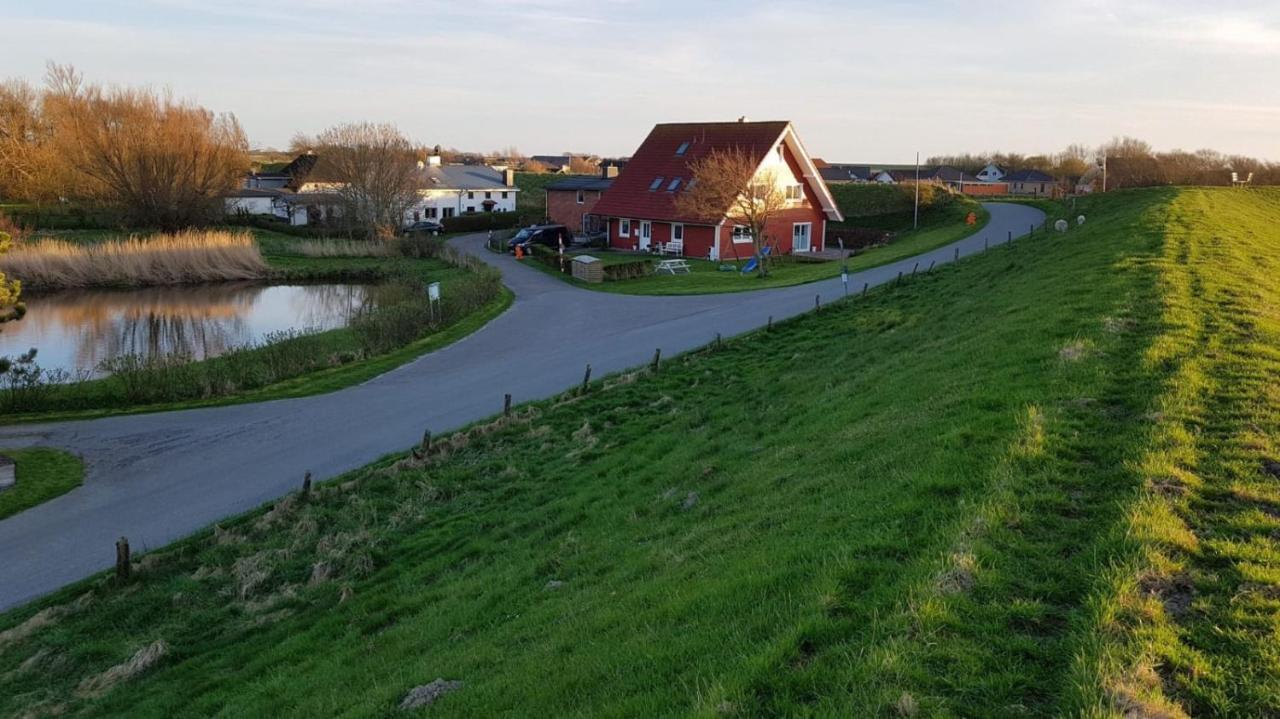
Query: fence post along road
x,y
155,478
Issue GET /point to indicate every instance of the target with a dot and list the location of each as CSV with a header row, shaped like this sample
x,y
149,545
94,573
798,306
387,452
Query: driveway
x,y
159,477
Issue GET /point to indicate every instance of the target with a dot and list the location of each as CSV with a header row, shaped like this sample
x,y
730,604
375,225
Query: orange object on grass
x,y
519,252
972,219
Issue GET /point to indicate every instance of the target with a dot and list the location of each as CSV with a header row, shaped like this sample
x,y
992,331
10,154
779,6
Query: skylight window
x,y
675,184
657,182
684,147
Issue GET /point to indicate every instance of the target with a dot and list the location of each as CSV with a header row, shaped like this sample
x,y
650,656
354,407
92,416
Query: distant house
x,y
449,190
842,173
308,208
251,201
640,209
571,202
1031,182
991,173
942,175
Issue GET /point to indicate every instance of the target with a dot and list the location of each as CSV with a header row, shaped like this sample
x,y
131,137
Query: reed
x,y
169,259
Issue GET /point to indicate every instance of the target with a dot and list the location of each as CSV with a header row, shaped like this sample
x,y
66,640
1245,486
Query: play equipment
x,y
754,262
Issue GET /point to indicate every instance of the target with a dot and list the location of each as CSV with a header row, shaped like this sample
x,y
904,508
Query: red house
x,y
640,206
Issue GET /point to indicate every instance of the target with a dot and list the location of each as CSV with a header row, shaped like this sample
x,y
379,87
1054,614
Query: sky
x,y
862,81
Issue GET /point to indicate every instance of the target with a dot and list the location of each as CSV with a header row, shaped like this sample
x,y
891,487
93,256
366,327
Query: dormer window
x,y
657,182
684,147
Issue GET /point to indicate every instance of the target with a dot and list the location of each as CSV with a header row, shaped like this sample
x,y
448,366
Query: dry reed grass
x,y
190,256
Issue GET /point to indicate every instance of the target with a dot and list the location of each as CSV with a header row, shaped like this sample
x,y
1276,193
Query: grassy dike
x,y
1034,483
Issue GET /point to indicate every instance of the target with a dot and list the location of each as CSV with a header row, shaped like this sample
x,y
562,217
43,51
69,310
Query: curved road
x,y
158,477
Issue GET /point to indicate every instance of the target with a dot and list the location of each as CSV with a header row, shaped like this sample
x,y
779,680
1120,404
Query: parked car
x,y
549,235
427,227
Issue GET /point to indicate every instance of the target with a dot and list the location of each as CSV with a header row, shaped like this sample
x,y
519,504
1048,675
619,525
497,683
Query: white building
x,y
251,201
451,190
991,173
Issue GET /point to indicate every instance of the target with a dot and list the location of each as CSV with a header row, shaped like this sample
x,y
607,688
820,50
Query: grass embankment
x,y
294,366
42,474
987,492
938,227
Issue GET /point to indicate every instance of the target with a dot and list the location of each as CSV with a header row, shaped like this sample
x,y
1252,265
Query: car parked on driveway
x,y
423,227
548,235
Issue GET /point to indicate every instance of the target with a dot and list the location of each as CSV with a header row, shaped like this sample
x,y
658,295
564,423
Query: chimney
x,y
608,171
743,119
433,160
509,177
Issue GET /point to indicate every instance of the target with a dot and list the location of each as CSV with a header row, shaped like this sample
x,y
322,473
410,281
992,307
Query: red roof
x,y
657,157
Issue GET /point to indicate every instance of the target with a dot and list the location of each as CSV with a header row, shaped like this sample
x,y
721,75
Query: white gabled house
x,y
991,173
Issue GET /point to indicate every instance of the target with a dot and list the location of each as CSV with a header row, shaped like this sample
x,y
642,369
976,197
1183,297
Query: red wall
x,y
563,207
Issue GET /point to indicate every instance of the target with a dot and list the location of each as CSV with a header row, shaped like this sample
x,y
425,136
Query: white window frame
x,y
742,235
799,190
624,228
677,229
582,197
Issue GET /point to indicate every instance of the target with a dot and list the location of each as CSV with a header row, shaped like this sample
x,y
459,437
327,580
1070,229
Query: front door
x,y
801,232
646,233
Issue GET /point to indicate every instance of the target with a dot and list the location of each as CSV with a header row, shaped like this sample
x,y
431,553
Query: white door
x,y
646,232
801,232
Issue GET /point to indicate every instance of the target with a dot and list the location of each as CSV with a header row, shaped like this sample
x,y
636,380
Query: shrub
x,y
627,270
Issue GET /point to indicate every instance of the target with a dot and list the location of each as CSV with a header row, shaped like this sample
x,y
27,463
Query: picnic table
x,y
673,267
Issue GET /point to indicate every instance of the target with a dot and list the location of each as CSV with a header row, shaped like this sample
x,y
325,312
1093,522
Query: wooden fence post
x,y
865,286
816,305
931,262
425,445
899,278
657,357
306,484
769,327
586,379
957,254
123,567
913,269
506,405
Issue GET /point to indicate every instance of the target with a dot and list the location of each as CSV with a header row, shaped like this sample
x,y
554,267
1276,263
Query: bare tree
x,y
374,169
725,184
579,165
162,162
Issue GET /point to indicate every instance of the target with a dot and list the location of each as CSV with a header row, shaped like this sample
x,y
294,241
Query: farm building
x,y
640,206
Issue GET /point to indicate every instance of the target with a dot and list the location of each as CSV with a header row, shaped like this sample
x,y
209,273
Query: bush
x,y
627,270
481,221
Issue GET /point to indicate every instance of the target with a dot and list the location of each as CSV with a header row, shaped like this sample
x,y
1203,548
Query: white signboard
x,y
433,291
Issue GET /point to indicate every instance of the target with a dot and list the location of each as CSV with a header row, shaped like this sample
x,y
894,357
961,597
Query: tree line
x,y
1129,162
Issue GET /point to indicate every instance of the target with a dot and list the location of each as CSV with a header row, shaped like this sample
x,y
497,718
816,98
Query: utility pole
x,y
915,222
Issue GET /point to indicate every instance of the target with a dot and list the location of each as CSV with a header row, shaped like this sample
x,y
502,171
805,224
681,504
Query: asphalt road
x,y
159,477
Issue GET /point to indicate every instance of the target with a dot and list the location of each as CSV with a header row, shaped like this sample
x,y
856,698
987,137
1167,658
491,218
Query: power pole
x,y
915,222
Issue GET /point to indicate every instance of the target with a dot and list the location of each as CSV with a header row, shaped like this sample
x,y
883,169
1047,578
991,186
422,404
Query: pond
x,y
76,330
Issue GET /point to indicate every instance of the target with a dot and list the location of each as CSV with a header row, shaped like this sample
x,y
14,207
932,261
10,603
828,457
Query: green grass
x,y
981,493
938,228
100,398
42,474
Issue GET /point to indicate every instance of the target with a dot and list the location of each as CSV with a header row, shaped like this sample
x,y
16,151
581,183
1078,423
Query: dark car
x,y
426,227
549,235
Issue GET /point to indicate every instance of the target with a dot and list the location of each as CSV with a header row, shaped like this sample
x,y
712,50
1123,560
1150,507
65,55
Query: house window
x,y
488,195
684,147
430,213
471,195
677,233
504,195
582,197
471,209
741,234
675,184
448,212
795,193
657,182
624,228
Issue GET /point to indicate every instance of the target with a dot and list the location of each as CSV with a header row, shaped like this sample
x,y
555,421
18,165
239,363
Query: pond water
x,y
76,330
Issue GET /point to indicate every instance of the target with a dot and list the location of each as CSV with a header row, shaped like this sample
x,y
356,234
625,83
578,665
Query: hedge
x,y
869,200
481,221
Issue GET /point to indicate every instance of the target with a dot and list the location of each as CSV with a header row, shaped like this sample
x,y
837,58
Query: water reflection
x,y
76,330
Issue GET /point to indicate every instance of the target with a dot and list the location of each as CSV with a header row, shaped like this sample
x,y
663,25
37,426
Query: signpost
x,y
433,298
844,278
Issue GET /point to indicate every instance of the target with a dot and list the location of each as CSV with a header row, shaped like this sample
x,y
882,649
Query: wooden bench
x,y
674,247
674,267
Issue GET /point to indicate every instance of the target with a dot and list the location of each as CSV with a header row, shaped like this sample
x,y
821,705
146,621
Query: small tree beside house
x,y
730,184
